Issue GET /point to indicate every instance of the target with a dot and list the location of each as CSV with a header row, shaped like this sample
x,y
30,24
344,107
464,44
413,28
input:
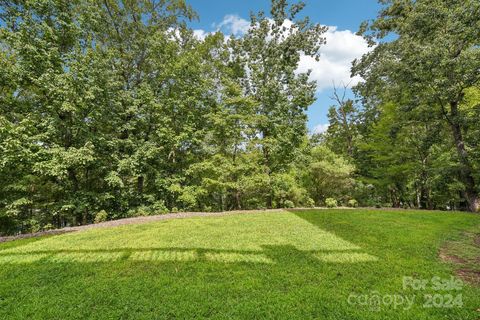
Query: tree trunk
x,y
237,200
395,199
466,176
85,216
266,156
140,182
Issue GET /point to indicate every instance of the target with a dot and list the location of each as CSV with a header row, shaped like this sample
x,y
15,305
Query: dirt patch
x,y
470,276
466,266
450,257
476,240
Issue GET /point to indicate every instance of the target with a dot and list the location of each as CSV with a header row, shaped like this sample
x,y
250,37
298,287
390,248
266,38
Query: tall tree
x,y
433,58
80,97
342,129
270,52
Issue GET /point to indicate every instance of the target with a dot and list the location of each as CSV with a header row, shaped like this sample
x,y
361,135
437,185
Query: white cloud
x,y
342,47
320,128
233,24
200,34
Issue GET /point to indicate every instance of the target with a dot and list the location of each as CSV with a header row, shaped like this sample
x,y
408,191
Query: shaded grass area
x,y
463,253
302,264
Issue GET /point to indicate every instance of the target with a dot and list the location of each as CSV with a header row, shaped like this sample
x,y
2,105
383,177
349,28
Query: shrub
x,y
352,203
101,216
130,213
48,226
310,203
330,203
33,226
255,203
7,225
288,204
287,192
159,207
142,211
328,174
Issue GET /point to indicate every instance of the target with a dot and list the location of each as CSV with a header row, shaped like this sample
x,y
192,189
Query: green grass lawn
x,y
302,264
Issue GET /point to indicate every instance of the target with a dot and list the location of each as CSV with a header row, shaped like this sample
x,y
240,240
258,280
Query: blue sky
x,y
344,18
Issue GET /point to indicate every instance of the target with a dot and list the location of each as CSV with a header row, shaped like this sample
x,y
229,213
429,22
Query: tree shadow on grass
x,y
271,242
153,283
269,254
270,281
319,219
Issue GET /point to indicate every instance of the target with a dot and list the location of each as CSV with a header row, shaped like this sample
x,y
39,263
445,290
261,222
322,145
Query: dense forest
x,y
114,108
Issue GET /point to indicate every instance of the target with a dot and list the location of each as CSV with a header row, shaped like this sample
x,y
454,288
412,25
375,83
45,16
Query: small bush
x,y
159,207
255,203
288,204
331,203
130,214
101,216
310,203
143,211
48,226
352,203
33,225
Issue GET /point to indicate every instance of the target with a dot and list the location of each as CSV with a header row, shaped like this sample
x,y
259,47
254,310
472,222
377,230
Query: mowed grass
x,y
285,265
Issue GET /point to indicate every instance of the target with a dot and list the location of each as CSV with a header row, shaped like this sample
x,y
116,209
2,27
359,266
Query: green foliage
x,y
159,207
288,204
352,203
309,203
119,107
107,106
101,216
331,203
327,175
426,71
270,51
342,132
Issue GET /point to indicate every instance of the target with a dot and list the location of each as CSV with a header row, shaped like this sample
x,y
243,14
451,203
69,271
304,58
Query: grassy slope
x,y
276,265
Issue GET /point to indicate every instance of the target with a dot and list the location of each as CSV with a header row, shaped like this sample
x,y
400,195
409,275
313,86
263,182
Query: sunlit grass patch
x,y
345,257
22,258
164,255
224,239
289,265
65,257
242,232
229,257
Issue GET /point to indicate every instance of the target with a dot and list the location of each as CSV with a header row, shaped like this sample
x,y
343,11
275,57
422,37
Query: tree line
x,y
112,108
414,131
